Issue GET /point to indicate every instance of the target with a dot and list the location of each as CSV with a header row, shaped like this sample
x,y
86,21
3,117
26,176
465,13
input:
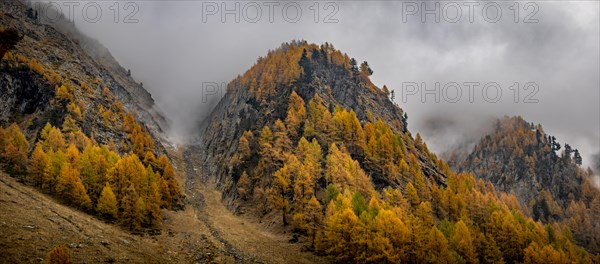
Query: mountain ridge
x,y
520,158
304,141
75,129
326,72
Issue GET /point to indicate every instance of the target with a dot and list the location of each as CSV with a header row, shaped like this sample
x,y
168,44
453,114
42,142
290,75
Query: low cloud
x,y
173,51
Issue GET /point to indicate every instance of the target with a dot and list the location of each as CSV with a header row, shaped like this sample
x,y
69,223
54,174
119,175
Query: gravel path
x,y
196,199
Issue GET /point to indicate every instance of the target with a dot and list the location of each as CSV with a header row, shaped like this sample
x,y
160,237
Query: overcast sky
x,y
176,46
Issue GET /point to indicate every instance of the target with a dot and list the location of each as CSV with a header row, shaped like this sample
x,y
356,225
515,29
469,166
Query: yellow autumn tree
x,y
436,247
70,125
53,140
107,203
244,144
72,156
296,114
342,232
535,253
52,169
131,215
243,186
318,121
70,187
344,172
37,164
307,171
313,218
13,148
153,203
411,195
277,192
389,226
462,242
282,143
266,163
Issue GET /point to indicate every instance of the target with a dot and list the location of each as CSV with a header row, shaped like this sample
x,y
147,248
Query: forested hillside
x,y
314,158
545,176
73,127
306,138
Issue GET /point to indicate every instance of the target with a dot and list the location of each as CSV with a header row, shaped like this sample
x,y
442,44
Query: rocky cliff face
x,y
54,53
321,71
519,157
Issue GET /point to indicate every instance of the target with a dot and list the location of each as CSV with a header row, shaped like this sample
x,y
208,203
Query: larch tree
x,y
141,211
487,250
244,186
282,143
154,202
437,247
295,115
411,195
314,218
13,148
72,156
309,170
462,242
70,187
130,215
278,191
37,164
390,226
342,232
55,140
344,172
107,203
245,144
266,164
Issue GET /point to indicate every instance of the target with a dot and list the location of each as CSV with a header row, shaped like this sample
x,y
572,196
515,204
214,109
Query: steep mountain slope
x,y
102,134
56,51
32,223
519,158
91,136
305,142
261,96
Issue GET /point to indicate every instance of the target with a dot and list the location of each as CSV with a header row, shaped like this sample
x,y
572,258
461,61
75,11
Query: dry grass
x,y
31,224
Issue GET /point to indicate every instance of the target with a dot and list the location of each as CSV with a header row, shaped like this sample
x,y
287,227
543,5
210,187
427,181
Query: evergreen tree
x,y
366,69
577,157
354,67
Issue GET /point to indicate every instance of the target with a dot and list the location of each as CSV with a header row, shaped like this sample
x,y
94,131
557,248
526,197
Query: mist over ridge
x,y
174,53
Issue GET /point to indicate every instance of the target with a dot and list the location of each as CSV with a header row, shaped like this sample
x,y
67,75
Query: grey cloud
x,y
173,53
